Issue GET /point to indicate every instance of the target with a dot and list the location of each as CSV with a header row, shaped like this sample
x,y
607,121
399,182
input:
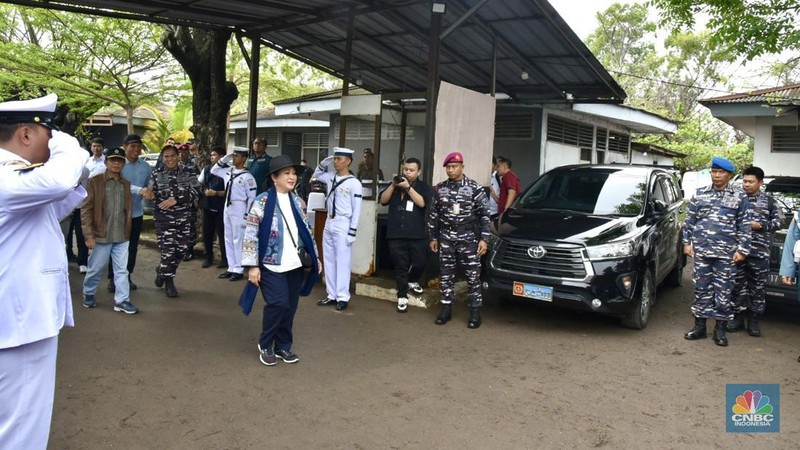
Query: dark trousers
x,y
83,250
133,245
213,226
409,258
281,293
172,232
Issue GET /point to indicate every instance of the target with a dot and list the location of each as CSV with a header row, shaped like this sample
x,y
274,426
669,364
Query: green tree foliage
x,y
280,77
747,27
667,77
89,61
174,124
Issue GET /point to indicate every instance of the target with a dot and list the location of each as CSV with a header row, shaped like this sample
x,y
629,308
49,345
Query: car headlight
x,y
610,251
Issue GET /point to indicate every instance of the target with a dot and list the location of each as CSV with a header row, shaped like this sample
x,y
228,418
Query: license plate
x,y
775,280
534,291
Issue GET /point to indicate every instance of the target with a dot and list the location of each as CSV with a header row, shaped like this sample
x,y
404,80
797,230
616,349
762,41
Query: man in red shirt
x,y
509,184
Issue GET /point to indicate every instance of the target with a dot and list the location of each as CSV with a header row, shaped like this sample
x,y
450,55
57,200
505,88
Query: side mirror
x,y
659,207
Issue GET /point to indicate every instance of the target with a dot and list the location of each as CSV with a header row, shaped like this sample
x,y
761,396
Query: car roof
x,y
784,184
642,169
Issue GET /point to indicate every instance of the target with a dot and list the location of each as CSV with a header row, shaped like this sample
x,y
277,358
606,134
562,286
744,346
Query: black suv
x,y
591,237
786,192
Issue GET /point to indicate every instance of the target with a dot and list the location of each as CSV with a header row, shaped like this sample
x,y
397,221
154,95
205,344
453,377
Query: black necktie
x,y
333,213
228,190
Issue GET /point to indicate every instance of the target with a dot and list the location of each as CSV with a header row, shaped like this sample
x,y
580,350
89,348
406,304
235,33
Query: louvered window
x,y
570,132
315,147
602,138
514,126
364,130
785,139
618,142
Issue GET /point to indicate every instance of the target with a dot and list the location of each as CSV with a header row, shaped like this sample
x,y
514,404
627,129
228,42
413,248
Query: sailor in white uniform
x,y
343,204
40,174
240,191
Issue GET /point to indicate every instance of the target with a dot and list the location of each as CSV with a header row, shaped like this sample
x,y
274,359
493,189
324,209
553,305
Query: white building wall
x,y
557,155
774,164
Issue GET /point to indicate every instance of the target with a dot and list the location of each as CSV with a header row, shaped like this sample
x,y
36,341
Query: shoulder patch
x,y
29,167
251,182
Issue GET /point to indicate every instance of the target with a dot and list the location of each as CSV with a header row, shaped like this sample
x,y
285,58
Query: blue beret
x,y
722,163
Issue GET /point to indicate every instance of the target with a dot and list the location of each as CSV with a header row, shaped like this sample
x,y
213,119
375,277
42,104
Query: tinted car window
x,y
593,191
658,192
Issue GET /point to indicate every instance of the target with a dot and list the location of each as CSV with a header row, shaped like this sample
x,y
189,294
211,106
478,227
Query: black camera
x,y
398,179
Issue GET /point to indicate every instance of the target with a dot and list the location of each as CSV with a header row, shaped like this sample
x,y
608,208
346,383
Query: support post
x,y
433,92
346,81
252,101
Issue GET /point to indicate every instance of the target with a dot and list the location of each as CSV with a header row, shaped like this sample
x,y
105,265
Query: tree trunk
x,y
129,117
202,54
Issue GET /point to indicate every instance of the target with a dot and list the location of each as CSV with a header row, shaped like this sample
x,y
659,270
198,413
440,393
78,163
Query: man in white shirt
x,y
40,171
240,191
97,163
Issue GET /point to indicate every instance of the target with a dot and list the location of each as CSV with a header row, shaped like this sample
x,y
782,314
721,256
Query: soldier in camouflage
x,y
717,235
458,229
186,162
751,275
174,188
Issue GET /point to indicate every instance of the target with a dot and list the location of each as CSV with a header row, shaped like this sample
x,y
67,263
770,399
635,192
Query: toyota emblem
x,y
537,252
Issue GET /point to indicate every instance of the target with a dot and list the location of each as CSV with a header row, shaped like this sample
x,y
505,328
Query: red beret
x,y
454,157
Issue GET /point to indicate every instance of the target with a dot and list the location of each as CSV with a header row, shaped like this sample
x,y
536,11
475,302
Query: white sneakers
x,y
415,288
402,304
83,269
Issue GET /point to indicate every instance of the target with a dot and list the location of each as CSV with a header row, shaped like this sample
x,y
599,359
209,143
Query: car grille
x,y
560,261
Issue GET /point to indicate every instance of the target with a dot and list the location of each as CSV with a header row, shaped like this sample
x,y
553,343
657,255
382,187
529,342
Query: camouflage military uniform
x,y
192,167
173,225
716,227
751,275
458,219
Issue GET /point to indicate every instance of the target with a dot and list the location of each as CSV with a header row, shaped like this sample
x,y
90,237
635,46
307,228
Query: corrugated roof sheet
x,y
390,46
781,95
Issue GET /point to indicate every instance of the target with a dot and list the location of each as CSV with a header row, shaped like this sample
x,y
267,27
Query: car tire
x,y
675,278
645,298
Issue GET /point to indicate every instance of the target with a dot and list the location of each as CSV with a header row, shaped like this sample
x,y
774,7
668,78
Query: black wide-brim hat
x,y
283,161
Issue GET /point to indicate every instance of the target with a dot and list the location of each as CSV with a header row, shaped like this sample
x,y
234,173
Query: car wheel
x,y
639,315
675,278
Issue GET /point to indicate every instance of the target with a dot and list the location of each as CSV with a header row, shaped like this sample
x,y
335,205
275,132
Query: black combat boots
x,y
445,314
159,278
169,287
752,325
737,323
719,333
699,330
474,318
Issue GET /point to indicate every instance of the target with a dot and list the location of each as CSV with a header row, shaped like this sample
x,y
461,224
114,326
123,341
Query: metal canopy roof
x,y
390,45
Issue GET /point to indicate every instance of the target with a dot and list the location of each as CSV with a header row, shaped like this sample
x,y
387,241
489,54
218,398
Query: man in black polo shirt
x,y
407,198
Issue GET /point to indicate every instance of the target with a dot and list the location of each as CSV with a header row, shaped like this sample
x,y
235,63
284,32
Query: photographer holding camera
x,y
407,198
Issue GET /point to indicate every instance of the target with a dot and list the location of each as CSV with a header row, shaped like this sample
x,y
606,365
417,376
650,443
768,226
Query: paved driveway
x,y
184,373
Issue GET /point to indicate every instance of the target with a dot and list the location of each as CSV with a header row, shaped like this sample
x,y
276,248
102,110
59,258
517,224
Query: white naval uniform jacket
x,y
348,197
35,300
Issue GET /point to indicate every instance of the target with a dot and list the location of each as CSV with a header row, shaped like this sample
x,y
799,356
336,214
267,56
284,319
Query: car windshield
x,y
787,196
591,191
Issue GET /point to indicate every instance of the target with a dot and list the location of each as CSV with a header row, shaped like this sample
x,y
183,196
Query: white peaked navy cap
x,y
342,151
39,110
